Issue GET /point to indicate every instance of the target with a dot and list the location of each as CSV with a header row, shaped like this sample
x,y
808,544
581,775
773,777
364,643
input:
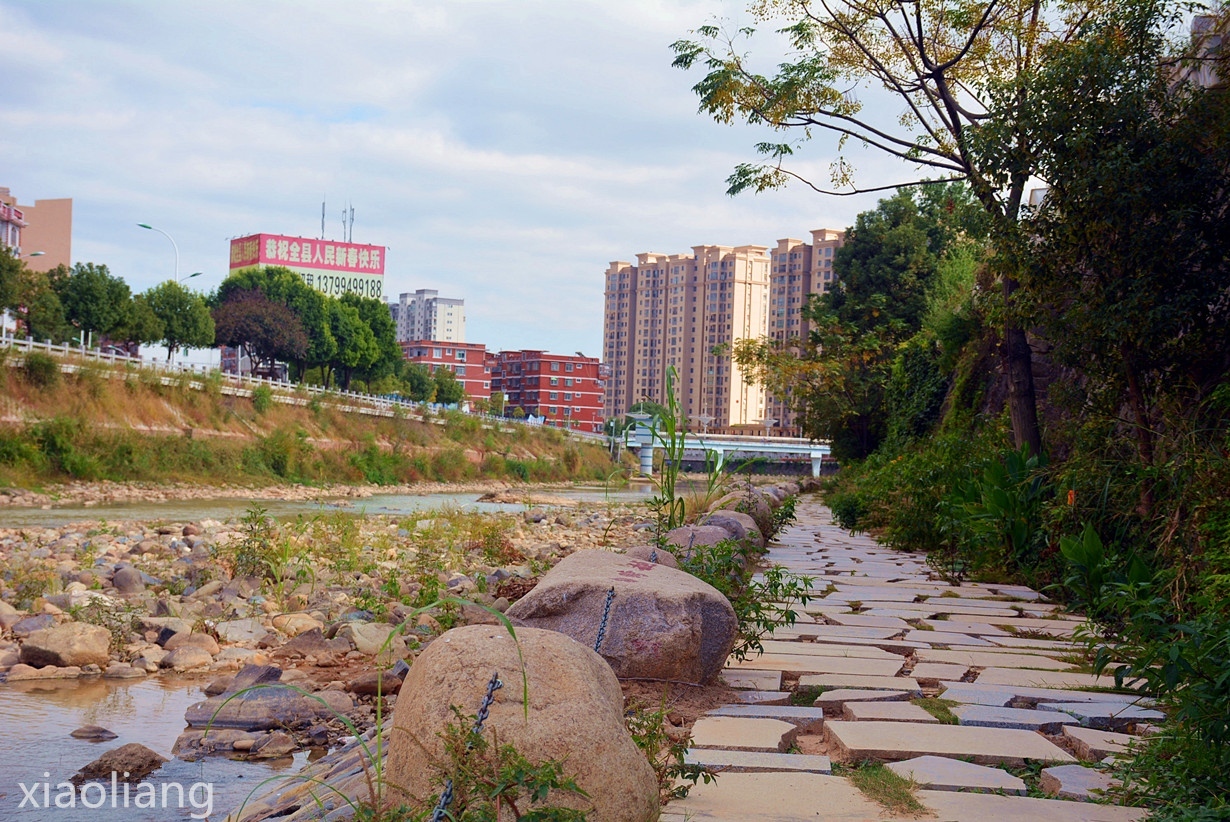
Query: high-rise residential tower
x,y
689,310
425,315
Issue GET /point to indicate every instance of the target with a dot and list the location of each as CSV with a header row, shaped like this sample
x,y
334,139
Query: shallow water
x,y
35,747
222,509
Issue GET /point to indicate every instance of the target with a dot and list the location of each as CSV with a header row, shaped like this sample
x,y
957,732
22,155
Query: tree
x,y
268,330
141,325
449,390
185,316
281,285
1130,280
356,345
419,385
497,403
375,313
94,300
11,269
947,67
839,378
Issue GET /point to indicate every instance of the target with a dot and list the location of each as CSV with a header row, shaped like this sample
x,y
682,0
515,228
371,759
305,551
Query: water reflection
x,y
36,719
382,504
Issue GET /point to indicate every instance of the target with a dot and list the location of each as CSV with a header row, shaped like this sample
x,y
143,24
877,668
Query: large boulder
x,y
663,623
652,553
68,645
754,504
575,715
738,524
687,538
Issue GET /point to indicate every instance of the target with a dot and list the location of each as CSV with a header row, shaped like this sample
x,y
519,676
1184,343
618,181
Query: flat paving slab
x,y
946,638
868,683
743,734
895,741
886,712
994,659
834,700
807,664
807,648
752,679
1026,719
778,797
1075,782
807,720
1092,745
763,697
977,807
1042,679
959,690
757,762
1104,716
865,621
938,670
939,773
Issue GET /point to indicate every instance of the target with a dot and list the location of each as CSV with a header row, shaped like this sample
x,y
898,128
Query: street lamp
x,y
173,245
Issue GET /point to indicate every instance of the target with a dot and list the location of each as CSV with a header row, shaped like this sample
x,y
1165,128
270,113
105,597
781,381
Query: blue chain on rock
x,y
446,798
606,613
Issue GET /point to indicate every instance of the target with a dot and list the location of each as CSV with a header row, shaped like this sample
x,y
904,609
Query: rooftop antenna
x,y
322,218
348,223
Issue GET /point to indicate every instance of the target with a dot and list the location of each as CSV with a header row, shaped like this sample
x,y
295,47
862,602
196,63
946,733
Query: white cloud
x,y
504,151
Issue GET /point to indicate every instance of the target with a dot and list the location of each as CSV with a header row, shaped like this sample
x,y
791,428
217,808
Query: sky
x,y
504,152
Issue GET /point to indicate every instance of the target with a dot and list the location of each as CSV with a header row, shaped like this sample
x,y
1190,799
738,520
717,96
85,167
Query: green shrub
x,y
41,370
760,604
262,398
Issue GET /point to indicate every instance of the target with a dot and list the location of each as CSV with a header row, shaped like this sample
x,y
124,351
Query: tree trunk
x,y
1018,365
1144,429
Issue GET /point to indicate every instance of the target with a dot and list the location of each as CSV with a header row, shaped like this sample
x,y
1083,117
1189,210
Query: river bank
x,y
90,494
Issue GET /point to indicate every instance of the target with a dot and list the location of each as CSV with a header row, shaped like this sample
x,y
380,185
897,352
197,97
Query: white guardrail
x,y
290,393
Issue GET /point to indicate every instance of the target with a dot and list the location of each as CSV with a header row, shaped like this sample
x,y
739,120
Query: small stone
x,y
128,581
127,763
93,733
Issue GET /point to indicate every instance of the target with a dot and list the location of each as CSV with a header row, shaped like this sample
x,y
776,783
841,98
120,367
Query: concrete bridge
x,y
732,446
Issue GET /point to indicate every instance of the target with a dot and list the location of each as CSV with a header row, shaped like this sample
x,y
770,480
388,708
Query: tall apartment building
x,y
566,390
46,226
799,268
688,311
425,315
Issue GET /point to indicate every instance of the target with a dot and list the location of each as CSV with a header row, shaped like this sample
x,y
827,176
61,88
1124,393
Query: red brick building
x,y
565,390
469,361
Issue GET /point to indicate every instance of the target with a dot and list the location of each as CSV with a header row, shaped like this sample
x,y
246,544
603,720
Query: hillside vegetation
x,y
124,424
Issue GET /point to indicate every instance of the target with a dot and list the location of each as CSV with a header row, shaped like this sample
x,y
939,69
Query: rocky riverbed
x,y
315,603
90,494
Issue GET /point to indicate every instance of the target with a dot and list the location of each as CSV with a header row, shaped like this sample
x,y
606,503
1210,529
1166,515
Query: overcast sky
x,y
505,152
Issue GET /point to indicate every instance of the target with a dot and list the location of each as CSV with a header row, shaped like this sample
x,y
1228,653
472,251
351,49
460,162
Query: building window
x,y
568,366
555,366
567,380
461,355
461,370
436,353
554,409
555,380
554,395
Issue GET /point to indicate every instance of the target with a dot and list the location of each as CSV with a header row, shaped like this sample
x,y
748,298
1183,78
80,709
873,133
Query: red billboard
x,y
331,267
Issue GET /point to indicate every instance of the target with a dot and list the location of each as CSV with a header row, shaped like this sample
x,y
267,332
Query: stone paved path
x,y
886,630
